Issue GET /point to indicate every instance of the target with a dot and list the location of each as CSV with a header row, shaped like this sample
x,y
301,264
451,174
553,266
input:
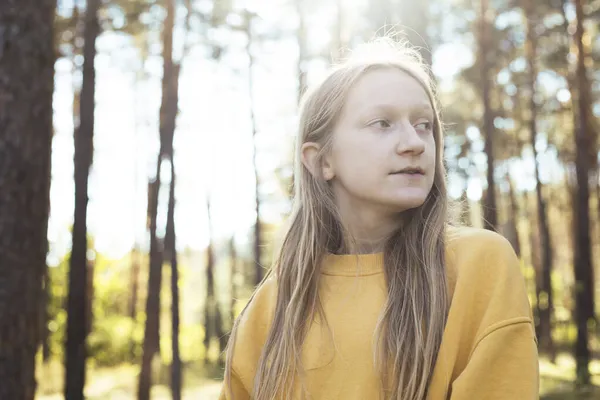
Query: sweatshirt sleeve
x,y
254,325
503,365
234,389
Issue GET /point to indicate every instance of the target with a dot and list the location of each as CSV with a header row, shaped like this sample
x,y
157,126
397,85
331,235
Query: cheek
x,y
352,160
431,152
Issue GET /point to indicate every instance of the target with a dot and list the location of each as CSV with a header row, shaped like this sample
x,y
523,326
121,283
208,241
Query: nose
x,y
409,140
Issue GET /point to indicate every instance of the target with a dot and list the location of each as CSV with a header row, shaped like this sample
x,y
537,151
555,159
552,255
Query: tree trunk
x,y
26,83
151,329
584,279
221,335
78,296
45,332
259,272
167,127
134,284
514,217
90,297
213,321
534,247
301,40
545,297
210,295
465,209
233,272
489,205
170,242
170,236
415,16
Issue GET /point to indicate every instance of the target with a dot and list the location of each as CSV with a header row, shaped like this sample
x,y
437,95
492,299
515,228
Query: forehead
x,y
387,86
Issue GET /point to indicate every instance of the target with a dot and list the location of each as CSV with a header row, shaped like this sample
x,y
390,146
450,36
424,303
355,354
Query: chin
x,y
407,202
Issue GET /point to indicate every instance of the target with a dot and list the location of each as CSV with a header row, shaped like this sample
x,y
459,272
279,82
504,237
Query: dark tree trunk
x,y
584,279
78,296
89,311
134,284
170,242
26,84
221,335
213,321
151,329
545,297
45,332
168,112
490,216
514,218
534,247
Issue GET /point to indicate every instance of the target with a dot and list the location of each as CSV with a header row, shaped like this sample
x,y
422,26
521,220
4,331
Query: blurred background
x,y
171,148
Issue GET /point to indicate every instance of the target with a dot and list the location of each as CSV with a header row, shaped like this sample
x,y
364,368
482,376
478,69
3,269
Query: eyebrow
x,y
423,107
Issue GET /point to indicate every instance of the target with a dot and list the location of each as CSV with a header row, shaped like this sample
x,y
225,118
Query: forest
x,y
146,170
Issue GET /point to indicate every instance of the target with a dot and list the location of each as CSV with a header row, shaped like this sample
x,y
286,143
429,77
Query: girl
x,y
373,295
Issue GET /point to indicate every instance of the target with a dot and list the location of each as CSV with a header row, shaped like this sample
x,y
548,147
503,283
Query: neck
x,y
370,228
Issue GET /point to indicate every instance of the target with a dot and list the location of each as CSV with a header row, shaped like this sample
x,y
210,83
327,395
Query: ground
x,y
119,383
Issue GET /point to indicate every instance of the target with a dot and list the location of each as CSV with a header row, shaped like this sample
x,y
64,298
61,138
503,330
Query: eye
x,y
426,125
381,123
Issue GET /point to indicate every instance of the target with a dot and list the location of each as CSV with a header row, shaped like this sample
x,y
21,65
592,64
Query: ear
x,y
309,155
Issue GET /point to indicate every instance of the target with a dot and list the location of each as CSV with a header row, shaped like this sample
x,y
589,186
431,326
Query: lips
x,y
410,171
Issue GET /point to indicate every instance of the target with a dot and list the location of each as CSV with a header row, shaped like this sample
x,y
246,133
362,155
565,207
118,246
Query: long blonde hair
x,y
411,325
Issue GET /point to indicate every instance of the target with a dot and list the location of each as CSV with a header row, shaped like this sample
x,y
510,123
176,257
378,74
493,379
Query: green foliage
x,y
113,333
110,341
57,313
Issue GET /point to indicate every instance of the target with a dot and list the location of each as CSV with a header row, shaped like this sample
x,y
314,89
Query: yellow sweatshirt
x,y
488,350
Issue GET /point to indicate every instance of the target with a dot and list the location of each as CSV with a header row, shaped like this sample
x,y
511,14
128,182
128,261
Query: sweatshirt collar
x,y
352,264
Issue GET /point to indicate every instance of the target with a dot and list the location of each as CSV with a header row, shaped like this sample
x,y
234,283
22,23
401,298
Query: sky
x,y
213,139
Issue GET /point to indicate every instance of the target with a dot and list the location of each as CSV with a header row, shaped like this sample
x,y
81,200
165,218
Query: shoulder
x,y
481,250
487,275
255,319
253,327
460,238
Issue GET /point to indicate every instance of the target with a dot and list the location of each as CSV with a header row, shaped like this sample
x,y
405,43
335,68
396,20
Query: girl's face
x,y
383,152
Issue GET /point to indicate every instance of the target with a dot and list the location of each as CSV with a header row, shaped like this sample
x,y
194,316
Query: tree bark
x,y
584,279
151,329
26,86
168,112
209,325
213,320
134,284
514,217
45,331
170,242
545,301
489,205
78,296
